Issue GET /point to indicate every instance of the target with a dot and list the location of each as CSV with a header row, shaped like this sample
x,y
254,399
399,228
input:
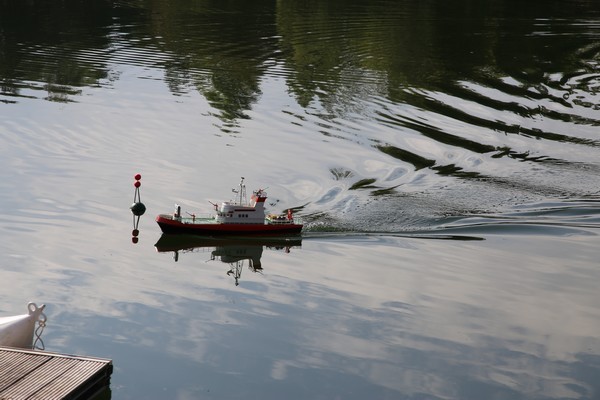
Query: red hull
x,y
169,225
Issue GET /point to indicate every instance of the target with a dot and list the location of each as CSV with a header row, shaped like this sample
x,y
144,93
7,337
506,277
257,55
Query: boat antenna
x,y
241,192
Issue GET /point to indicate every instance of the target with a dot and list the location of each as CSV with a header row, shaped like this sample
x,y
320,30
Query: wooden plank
x,y
17,366
51,354
26,374
37,378
83,374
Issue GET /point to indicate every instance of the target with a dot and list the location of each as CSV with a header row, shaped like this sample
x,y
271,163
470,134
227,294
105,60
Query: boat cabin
x,y
236,212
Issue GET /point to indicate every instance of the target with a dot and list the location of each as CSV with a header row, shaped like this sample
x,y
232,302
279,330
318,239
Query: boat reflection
x,y
234,251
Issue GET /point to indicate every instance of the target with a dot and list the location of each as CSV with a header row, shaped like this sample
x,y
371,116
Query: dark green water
x,y
444,156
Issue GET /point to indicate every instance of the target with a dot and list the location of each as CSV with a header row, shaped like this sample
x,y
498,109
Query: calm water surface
x,y
445,158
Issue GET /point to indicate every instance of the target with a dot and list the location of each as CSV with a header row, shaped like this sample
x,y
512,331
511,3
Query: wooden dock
x,y
26,374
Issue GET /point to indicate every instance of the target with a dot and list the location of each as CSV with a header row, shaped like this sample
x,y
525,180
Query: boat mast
x,y
242,192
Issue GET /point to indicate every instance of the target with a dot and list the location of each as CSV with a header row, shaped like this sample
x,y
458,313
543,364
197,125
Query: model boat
x,y
237,217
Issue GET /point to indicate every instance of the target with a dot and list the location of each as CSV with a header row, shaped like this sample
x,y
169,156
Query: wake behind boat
x,y
237,217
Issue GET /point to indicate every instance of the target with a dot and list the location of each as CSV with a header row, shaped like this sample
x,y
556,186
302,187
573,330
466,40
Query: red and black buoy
x,y
137,208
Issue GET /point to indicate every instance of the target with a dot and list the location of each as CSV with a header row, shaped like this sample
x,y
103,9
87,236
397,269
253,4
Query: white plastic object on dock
x,y
17,331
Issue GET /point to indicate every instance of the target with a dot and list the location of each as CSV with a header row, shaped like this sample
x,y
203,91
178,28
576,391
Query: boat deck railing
x,y
202,218
285,221
210,218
